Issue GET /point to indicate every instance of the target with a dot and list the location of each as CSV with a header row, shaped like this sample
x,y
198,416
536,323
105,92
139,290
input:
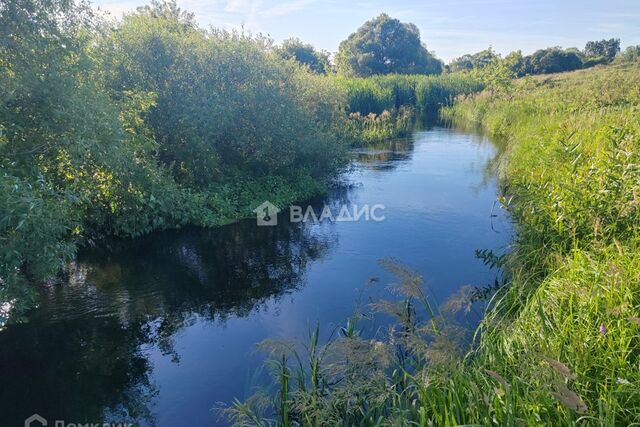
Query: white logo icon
x,y
267,214
29,422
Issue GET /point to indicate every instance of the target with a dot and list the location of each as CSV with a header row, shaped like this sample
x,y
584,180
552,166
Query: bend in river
x,y
162,328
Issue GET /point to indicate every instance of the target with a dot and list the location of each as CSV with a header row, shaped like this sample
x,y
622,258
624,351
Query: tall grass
x,y
426,94
382,107
560,343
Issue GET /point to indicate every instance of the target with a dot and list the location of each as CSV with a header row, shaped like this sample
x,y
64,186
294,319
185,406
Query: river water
x,y
161,329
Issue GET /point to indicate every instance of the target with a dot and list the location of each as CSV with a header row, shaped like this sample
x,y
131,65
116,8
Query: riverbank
x,y
389,106
565,334
560,341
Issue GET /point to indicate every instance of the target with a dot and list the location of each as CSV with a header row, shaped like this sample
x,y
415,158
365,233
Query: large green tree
x,y
607,49
477,60
305,54
552,60
385,45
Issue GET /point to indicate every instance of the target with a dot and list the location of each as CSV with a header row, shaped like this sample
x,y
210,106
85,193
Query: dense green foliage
x,y
148,124
603,48
571,168
64,153
383,107
304,53
560,342
544,61
470,61
225,107
631,54
384,45
550,60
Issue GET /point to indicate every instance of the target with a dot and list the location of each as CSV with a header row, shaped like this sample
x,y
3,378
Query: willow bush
x,y
150,122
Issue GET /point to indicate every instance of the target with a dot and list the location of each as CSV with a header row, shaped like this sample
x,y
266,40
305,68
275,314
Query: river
x,y
160,329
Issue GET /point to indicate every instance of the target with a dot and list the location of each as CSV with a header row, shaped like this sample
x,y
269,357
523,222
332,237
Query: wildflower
x,y
603,329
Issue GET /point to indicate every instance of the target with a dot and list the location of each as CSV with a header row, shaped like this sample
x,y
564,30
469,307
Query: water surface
x,y
159,329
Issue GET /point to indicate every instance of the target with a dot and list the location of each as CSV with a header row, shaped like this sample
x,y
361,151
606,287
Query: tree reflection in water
x,y
81,357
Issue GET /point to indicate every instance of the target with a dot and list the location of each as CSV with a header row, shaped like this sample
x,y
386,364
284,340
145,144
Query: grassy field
x,y
560,342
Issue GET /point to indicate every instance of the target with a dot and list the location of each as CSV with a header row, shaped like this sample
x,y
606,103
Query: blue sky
x,y
450,28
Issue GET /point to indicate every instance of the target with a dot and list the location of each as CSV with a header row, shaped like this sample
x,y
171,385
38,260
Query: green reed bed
x,y
383,107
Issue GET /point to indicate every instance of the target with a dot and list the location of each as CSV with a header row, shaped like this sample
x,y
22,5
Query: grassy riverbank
x,y
560,343
571,166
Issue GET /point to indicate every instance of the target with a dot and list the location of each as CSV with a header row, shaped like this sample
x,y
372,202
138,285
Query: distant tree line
x,y
549,60
382,45
385,45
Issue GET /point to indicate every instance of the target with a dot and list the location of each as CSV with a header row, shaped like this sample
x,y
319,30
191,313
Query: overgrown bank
x,y
571,166
151,122
560,343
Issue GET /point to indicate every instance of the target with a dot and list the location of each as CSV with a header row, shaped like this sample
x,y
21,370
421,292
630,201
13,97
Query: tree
x,y
317,61
517,63
498,75
552,60
631,53
385,45
477,60
462,63
603,48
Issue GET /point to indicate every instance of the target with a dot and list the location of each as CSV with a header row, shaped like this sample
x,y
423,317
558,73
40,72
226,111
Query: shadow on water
x,y
85,342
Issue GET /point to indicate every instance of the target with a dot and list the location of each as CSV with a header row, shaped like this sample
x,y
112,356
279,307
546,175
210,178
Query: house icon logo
x,y
35,420
267,214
